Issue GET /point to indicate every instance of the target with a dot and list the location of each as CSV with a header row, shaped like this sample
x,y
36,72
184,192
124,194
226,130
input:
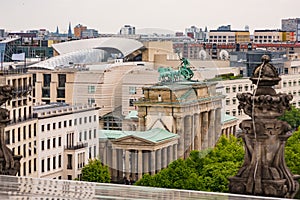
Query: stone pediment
x,y
132,140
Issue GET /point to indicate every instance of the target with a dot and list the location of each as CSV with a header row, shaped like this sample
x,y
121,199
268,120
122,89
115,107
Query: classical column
x,y
114,164
146,162
204,130
158,159
140,164
170,157
127,166
211,129
164,157
153,162
187,135
120,164
180,132
197,131
133,163
175,151
218,124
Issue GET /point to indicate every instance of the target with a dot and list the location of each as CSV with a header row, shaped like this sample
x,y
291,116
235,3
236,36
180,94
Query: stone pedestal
x,y
264,171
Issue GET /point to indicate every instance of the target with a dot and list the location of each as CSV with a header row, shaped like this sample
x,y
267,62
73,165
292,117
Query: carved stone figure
x,y
264,171
9,164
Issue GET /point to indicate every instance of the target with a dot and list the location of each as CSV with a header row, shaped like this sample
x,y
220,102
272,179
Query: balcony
x,y
75,147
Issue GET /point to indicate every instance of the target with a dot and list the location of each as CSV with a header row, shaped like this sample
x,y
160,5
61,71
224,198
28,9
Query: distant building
x,y
291,25
196,33
78,29
127,30
224,28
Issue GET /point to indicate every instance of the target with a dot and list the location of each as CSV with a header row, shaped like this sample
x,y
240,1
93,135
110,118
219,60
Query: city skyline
x,y
110,16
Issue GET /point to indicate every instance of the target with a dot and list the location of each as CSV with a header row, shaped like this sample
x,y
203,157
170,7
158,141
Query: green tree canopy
x,y
292,117
94,171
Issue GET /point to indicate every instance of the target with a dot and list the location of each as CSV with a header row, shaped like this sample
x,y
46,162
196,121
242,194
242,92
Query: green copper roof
x,y
227,118
132,115
154,135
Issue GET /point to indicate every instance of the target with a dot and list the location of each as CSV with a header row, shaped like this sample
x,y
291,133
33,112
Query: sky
x,y
108,16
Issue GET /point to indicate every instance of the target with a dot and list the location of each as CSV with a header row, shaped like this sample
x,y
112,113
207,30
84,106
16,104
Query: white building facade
x,y
67,139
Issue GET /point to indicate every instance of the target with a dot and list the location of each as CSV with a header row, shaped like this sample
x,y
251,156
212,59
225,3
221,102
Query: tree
x,y
292,117
94,171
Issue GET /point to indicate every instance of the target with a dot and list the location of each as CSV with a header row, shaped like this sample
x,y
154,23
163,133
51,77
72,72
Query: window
x,y
234,101
91,101
54,162
80,120
48,164
70,122
61,80
95,133
90,119
95,118
90,134
234,88
24,132
43,165
85,135
34,164
48,144
13,136
43,128
91,89
43,145
24,150
29,167
240,88
227,102
59,141
54,142
29,131
80,136
284,84
54,126
59,124
34,147
75,122
131,102
24,169
19,134
65,123
59,161
85,120
34,129
246,87
69,164
7,137
132,90
48,127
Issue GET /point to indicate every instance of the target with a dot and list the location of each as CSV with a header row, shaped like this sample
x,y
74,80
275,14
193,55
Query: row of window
x,y
83,136
234,112
56,162
21,133
30,164
234,88
70,123
290,83
26,151
48,145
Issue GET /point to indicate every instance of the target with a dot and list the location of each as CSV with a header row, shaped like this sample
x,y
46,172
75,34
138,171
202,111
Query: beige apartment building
x,y
21,133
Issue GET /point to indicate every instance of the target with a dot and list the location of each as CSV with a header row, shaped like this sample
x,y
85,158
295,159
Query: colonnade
x,y
134,162
197,131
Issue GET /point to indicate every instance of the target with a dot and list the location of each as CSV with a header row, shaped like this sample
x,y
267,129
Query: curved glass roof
x,y
124,45
86,56
89,51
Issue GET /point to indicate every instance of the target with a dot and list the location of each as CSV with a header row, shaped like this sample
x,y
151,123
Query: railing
x,y
12,187
75,147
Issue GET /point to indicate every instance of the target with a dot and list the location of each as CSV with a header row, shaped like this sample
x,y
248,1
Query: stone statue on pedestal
x,y
264,171
9,164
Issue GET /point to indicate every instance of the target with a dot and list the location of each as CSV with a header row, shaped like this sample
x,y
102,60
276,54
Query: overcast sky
x,y
108,16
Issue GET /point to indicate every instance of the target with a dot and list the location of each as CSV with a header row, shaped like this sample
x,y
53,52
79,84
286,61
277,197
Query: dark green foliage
x,y
292,153
292,117
94,171
206,170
